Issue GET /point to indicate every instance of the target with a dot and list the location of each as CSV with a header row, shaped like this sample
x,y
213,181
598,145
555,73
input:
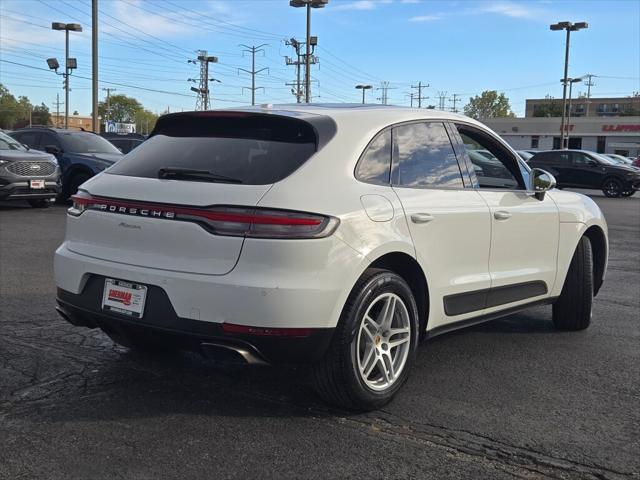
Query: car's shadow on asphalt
x,y
118,384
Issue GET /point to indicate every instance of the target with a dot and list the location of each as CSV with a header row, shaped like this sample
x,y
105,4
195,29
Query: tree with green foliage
x,y
13,110
122,109
489,104
552,108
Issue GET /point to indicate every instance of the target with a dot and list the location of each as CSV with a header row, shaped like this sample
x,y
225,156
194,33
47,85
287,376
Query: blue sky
x,y
460,47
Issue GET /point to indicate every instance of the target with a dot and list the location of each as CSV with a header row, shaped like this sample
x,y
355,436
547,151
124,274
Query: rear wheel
x,y
572,310
374,344
39,203
612,187
71,188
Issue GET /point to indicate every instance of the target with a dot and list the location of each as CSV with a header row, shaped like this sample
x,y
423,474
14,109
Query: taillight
x,y
234,221
81,201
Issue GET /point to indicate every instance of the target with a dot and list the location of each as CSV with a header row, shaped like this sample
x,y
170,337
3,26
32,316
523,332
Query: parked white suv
x,y
333,235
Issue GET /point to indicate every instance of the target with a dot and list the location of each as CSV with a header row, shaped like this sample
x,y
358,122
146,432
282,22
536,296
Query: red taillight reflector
x,y
266,332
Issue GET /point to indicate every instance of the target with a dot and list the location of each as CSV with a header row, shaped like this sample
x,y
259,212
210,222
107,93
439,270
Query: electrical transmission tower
x,y
455,99
384,97
202,102
253,71
298,88
419,96
442,97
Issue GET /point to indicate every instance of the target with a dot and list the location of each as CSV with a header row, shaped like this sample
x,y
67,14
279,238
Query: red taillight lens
x,y
221,220
265,331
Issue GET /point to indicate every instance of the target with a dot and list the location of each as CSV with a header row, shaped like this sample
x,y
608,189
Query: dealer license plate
x,y
36,184
124,297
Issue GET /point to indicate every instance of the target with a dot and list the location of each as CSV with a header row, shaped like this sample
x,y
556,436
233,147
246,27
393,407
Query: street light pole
x,y
363,88
69,63
308,4
569,27
571,82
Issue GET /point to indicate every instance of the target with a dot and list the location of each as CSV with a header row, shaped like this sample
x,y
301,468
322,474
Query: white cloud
x,y
358,5
425,18
509,9
409,1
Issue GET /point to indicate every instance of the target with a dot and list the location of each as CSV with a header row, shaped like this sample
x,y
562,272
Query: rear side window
x,y
375,164
425,156
255,149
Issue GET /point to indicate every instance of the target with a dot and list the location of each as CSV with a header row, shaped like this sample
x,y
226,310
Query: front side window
x,y
493,164
30,139
375,164
425,157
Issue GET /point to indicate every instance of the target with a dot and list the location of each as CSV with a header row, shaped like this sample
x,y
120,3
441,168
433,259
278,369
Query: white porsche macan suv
x,y
335,235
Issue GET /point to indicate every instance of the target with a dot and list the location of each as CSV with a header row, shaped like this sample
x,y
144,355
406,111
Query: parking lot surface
x,y
510,398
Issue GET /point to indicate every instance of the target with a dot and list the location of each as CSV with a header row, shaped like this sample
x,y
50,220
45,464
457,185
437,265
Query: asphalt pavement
x,y
510,398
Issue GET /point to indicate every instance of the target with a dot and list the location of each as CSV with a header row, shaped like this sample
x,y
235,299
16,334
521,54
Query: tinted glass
x,y
49,139
426,157
490,171
375,164
29,138
8,143
85,142
252,149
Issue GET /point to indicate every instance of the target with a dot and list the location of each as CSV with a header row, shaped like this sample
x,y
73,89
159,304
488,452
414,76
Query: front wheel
x,y
374,344
572,310
612,187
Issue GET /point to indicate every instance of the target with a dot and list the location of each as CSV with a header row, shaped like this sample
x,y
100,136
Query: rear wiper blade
x,y
194,174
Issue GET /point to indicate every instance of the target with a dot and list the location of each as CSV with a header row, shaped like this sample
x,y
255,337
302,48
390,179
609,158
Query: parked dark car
x,y
27,174
124,142
584,169
81,155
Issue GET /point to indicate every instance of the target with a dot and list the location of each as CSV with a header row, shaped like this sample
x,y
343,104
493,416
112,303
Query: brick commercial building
x,y
583,107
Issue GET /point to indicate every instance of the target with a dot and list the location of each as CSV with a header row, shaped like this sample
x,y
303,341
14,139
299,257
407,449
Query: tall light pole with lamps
x,y
569,27
69,63
364,88
571,81
309,4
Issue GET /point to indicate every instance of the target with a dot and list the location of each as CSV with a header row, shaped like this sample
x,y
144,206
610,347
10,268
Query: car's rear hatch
x,y
136,218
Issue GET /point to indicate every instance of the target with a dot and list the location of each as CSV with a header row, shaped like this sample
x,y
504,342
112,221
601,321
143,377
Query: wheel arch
x,y
598,240
409,269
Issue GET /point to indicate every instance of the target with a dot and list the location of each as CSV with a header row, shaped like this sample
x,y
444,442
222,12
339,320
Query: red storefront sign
x,y
621,128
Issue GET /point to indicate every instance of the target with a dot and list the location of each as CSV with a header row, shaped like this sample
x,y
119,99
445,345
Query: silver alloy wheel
x,y
383,341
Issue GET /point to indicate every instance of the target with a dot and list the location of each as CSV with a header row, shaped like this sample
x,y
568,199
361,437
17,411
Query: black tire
x,y
572,310
71,187
612,187
336,378
40,203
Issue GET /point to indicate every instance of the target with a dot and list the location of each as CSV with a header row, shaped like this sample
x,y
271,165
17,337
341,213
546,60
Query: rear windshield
x,y
85,142
252,148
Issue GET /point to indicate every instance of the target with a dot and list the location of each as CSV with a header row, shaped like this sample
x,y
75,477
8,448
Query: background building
x,y
599,134
76,122
584,107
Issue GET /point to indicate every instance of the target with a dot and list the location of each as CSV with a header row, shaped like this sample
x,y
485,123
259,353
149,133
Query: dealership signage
x,y
621,128
122,128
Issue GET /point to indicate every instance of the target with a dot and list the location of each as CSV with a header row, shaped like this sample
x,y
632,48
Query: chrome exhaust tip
x,y
232,354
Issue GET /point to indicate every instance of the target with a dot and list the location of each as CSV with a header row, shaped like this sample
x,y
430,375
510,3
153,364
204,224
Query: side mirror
x,y
541,181
53,150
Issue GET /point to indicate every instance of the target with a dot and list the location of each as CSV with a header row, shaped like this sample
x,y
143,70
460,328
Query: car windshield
x,y
8,143
607,160
86,142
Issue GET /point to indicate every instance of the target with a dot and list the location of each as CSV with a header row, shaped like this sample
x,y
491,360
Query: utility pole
x,y
108,110
202,102
95,124
411,97
442,97
454,100
419,96
57,104
384,86
589,83
253,71
289,61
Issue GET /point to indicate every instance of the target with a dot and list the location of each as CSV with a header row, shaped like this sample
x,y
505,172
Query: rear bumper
x,y
162,325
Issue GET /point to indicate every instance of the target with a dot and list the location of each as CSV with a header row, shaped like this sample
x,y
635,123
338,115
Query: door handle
x,y
502,215
421,217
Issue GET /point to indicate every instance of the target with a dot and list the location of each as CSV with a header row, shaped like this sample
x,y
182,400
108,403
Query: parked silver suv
x,y
27,174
